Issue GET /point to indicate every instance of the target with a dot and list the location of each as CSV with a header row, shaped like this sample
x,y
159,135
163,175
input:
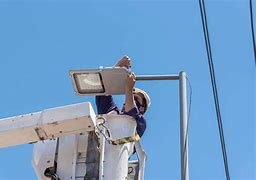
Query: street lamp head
x,y
103,81
88,83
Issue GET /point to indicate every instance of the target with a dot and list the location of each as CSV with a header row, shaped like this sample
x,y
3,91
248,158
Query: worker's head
x,y
142,100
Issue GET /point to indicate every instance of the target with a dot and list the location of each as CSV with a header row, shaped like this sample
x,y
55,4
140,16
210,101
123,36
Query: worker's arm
x,y
130,107
129,99
105,104
140,120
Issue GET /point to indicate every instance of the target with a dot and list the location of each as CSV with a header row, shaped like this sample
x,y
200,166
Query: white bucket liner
x,y
115,166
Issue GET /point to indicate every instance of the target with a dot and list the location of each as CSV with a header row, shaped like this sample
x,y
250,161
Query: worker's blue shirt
x,y
106,104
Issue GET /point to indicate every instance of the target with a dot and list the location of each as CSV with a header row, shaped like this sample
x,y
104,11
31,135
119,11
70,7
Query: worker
x,y
136,103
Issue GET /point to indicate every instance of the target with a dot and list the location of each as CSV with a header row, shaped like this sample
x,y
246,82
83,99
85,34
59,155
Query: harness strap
x,y
124,140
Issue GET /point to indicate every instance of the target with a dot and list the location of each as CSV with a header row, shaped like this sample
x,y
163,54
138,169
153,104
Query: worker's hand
x,y
124,62
130,83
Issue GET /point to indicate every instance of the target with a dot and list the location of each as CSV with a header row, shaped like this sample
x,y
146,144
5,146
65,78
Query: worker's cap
x,y
146,96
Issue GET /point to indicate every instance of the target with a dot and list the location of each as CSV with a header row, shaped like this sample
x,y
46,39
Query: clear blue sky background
x,y
40,41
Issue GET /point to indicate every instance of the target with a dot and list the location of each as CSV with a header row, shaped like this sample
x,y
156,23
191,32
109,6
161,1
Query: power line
x,y
214,86
252,28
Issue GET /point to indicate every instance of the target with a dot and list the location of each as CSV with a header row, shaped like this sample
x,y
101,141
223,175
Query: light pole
x,y
183,116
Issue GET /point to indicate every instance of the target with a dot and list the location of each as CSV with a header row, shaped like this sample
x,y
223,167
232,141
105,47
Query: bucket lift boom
x,y
67,138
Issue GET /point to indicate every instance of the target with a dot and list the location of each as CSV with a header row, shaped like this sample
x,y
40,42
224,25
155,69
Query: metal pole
x,y
156,77
183,126
183,116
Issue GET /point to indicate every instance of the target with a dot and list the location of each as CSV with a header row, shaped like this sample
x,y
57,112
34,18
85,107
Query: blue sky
x,y
40,41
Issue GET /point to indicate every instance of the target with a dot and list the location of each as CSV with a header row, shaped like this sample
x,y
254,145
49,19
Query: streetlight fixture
x,y
104,81
111,81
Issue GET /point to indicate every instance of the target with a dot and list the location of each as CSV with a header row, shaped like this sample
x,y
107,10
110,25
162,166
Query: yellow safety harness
x,y
124,140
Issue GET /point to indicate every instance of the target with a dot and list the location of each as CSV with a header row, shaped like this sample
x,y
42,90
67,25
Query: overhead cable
x,y
252,28
214,86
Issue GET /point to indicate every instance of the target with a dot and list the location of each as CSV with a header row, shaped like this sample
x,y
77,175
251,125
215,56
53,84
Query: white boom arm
x,y
47,124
